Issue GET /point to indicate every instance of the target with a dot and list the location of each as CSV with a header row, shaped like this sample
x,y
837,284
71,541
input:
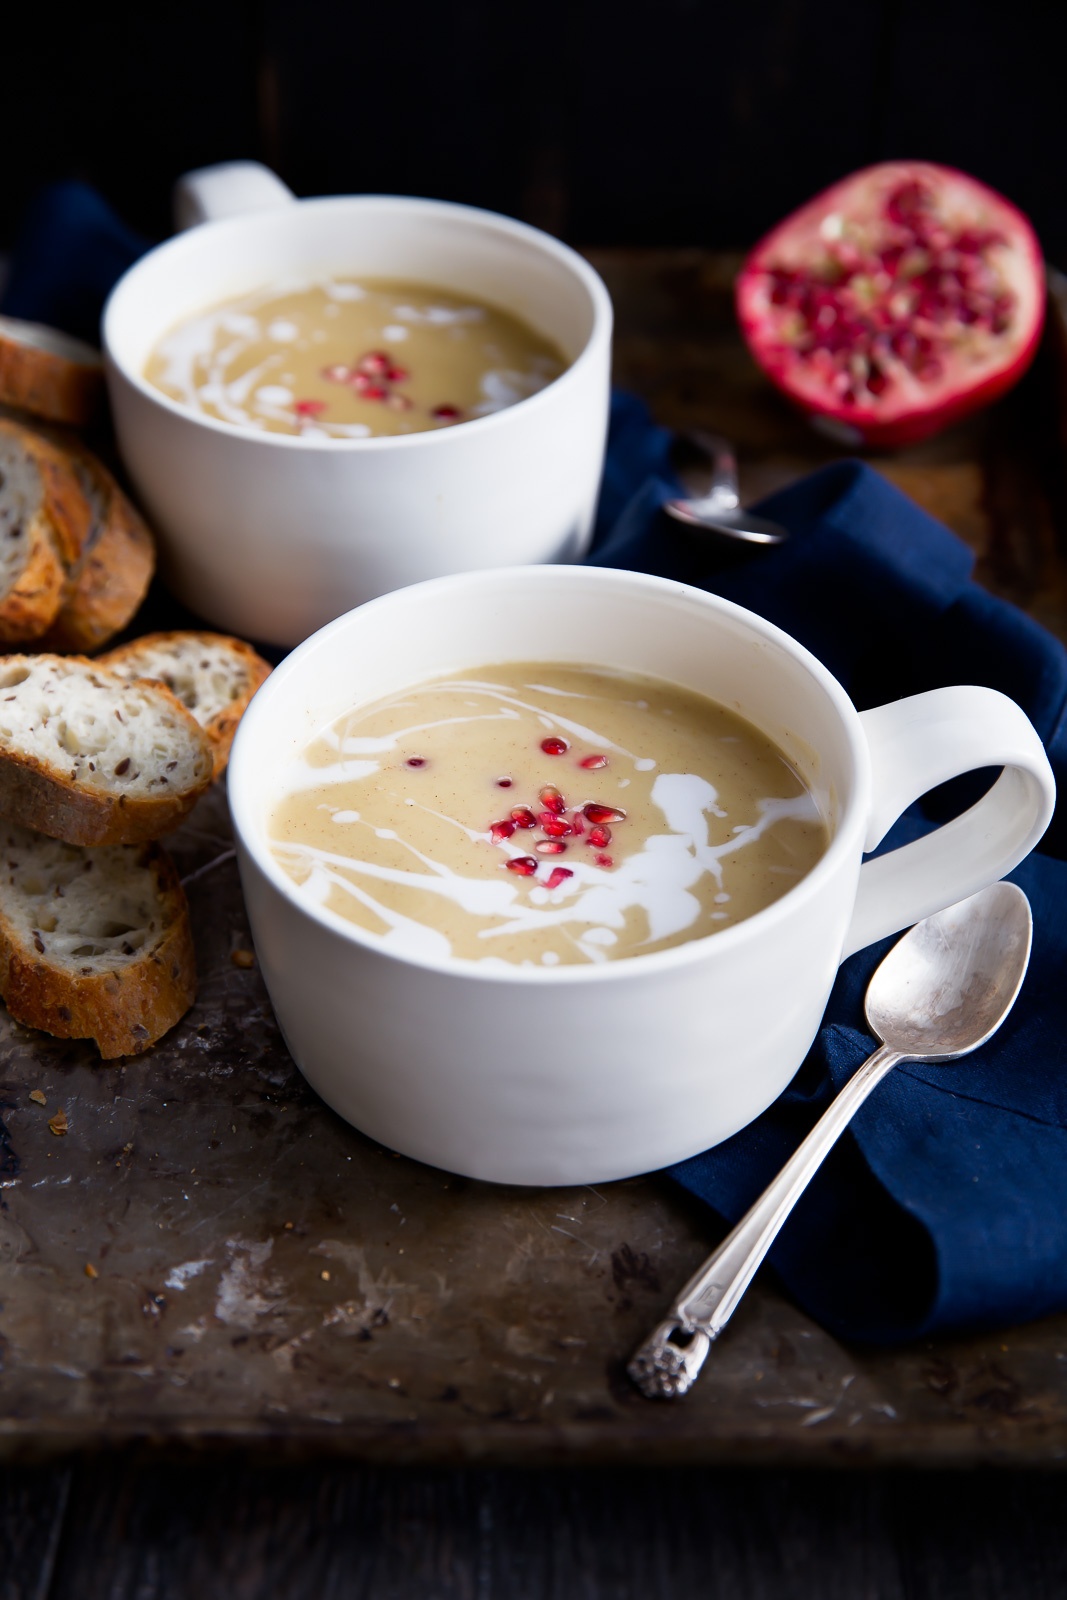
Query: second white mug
x,y
273,535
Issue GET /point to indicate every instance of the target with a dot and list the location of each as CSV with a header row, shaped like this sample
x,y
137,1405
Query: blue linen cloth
x,y
945,1205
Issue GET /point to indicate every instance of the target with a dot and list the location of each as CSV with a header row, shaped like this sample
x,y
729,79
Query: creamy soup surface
x,y
348,360
542,814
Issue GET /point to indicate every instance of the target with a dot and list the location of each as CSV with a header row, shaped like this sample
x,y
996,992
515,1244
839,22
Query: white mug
x,y
272,535
577,1074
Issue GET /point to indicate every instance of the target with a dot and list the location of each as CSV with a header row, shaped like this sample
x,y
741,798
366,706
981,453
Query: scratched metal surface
x,y
264,1273
267,1275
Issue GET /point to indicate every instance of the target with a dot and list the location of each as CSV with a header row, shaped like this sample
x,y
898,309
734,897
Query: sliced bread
x,y
110,577
44,525
94,944
212,675
49,373
89,758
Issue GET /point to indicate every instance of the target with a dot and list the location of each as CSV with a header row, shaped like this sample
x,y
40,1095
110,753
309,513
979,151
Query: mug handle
x,y
922,741
229,189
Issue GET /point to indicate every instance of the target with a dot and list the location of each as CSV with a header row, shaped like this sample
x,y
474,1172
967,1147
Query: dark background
x,y
662,122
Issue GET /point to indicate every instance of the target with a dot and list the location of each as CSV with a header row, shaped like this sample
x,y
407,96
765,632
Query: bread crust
x,y
38,795
123,1011
33,600
221,728
45,372
56,533
110,578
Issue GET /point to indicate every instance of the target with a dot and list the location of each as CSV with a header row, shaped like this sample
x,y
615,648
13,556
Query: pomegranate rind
x,y
980,366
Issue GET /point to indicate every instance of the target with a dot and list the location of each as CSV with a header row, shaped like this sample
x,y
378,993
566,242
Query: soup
x,y
544,814
343,359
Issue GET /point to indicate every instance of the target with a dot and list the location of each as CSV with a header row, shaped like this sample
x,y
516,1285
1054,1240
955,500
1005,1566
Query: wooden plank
x,y
141,1529
953,69
449,103
705,125
33,1502
128,99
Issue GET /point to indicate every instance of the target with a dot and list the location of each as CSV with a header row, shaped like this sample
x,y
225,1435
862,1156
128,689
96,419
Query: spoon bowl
x,y
720,510
947,985
733,523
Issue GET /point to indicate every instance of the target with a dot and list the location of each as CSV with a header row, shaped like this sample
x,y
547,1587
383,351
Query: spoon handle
x,y
668,1362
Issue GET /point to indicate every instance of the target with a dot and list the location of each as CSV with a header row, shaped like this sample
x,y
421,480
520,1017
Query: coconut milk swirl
x,y
403,818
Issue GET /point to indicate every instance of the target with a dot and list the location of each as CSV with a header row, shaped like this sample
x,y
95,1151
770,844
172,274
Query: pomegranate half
x,y
895,302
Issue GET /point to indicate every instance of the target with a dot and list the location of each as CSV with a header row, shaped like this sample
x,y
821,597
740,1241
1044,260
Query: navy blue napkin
x,y
71,250
946,1203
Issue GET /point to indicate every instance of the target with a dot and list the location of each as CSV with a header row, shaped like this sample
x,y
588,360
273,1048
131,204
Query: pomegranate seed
x,y
554,826
599,813
503,783
525,866
337,374
550,847
577,822
374,391
557,876
904,203
552,800
555,747
397,375
603,861
523,817
599,836
415,761
309,408
400,402
501,830
376,363
593,763
446,413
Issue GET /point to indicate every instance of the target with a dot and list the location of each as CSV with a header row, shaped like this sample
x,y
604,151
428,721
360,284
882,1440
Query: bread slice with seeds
x,y
94,944
91,759
44,524
212,675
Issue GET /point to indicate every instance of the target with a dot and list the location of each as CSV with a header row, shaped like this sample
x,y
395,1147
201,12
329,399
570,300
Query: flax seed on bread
x,y
91,759
48,373
213,675
94,944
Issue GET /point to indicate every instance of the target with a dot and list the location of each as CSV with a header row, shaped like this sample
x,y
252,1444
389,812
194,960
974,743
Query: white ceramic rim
x,y
847,836
193,239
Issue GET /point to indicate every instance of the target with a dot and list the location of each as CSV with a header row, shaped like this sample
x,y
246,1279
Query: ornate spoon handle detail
x,y
669,1361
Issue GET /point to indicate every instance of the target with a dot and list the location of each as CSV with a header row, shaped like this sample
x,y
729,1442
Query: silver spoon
x,y
942,991
720,510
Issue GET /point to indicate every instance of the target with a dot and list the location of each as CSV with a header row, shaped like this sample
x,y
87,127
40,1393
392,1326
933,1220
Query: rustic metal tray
x,y
209,1255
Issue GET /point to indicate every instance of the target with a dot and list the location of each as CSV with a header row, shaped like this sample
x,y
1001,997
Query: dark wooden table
x,y
210,1260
